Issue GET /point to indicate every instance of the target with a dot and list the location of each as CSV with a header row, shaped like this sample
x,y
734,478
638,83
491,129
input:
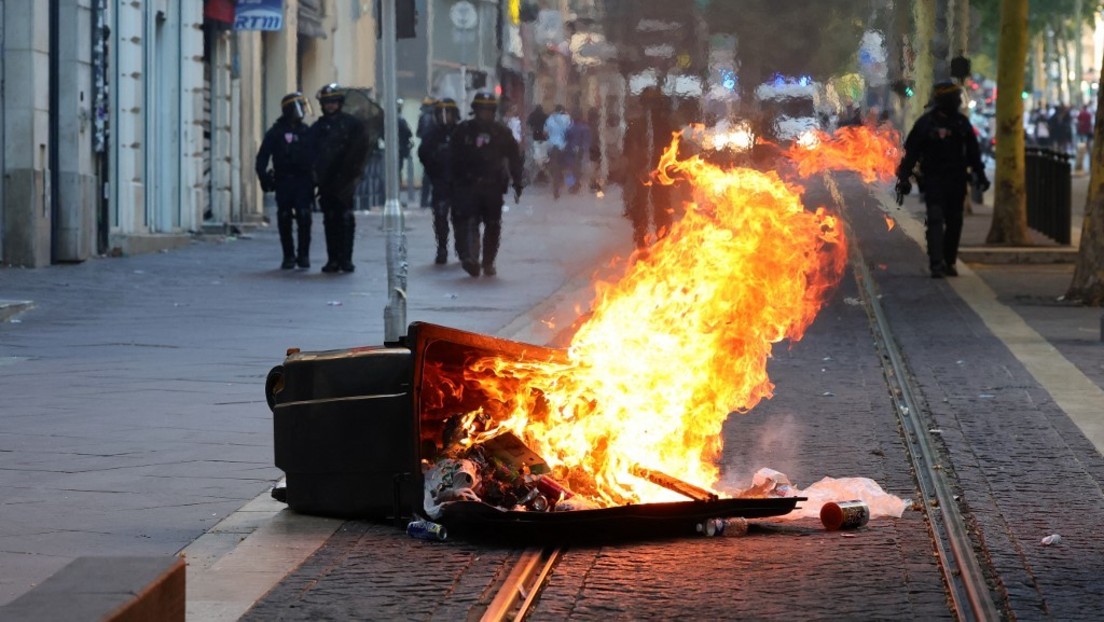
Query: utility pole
x,y
394,314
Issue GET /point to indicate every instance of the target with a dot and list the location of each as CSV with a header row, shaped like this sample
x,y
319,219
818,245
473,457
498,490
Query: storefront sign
x,y
259,15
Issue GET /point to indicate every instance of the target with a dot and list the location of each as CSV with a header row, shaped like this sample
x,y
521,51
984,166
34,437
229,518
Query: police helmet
x,y
294,105
947,95
446,108
332,92
484,101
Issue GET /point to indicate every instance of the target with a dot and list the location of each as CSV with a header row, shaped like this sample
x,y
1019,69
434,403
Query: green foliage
x,y
808,37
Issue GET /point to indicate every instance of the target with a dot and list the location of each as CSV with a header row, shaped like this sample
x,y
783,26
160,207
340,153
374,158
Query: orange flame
x,y
683,338
872,152
890,223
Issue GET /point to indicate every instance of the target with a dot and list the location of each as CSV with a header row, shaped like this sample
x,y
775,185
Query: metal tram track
x,y
963,575
518,592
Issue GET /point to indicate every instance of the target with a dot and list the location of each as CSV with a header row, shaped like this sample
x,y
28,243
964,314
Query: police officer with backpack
x,y
485,158
290,177
943,143
434,154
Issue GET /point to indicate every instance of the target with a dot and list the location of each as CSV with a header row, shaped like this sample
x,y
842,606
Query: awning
x,y
219,10
311,15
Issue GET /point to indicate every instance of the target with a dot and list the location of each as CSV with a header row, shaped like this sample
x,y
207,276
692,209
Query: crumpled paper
x,y
770,483
449,480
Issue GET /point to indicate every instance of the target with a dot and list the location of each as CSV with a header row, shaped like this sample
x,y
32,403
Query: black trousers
x,y
340,222
647,207
443,212
945,203
294,199
479,205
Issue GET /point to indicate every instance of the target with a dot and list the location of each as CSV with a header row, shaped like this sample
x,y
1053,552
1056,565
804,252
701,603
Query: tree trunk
x,y
1078,50
1009,226
1088,274
960,38
1038,73
924,18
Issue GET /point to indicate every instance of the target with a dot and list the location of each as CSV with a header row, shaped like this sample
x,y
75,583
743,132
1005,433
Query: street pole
x,y
394,314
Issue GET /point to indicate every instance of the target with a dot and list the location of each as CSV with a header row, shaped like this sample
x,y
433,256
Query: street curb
x,y
1017,255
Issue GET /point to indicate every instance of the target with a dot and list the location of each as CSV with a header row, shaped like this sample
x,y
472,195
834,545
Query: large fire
x,y
683,338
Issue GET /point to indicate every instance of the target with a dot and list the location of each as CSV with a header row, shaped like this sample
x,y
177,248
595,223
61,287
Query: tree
x,y
1088,273
1009,226
809,37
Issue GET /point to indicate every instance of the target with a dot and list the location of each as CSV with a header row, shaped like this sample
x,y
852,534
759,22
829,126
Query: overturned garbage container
x,y
357,430
1047,184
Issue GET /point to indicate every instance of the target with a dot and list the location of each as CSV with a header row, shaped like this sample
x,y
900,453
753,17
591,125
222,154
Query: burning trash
x,y
626,420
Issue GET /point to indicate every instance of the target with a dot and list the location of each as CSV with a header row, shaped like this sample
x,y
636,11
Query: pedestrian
x,y
1085,126
513,121
943,143
406,149
1040,128
485,158
434,154
555,128
647,135
290,177
579,139
538,145
341,148
427,115
1061,129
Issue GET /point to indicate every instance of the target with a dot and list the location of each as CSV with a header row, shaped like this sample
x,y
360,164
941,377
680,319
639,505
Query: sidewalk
x,y
975,229
134,412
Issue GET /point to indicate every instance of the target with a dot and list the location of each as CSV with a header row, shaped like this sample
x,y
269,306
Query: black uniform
x,y
341,148
646,200
485,157
943,142
426,122
435,156
286,146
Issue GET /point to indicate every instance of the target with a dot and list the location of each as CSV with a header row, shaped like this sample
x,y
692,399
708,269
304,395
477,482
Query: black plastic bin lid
x,y
480,520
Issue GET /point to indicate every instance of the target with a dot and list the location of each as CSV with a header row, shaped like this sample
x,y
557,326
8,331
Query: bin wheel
x,y
274,383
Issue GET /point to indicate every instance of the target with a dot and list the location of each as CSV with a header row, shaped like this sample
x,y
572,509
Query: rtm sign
x,y
259,15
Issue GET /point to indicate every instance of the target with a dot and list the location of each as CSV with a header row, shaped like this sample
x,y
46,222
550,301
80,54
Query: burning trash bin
x,y
397,432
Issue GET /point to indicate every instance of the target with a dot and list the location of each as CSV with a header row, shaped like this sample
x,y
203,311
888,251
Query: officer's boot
x,y
333,244
492,234
440,228
348,235
471,260
283,223
460,238
302,259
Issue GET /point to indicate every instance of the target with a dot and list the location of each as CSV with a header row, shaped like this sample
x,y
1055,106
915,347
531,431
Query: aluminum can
x,y
552,489
426,530
729,527
844,514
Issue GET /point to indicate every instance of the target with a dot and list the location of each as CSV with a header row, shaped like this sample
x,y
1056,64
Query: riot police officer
x,y
290,177
485,158
434,154
340,143
650,126
943,142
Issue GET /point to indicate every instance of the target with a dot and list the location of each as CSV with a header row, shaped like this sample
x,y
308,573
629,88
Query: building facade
x,y
129,126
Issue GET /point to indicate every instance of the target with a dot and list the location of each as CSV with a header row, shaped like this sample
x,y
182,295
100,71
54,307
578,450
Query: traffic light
x,y
904,88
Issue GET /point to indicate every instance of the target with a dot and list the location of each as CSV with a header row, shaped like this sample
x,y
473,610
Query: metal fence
x,y
1047,180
